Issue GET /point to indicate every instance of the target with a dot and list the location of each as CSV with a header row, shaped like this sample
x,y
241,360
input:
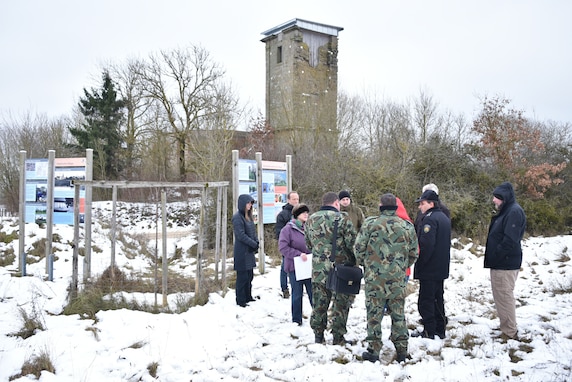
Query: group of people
x,y
386,246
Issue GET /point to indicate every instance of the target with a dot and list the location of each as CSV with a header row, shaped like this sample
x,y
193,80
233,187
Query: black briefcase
x,y
344,279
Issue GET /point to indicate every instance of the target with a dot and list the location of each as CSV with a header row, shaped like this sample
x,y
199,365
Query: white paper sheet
x,y
303,268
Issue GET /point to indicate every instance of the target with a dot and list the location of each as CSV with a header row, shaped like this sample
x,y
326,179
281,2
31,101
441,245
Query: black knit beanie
x,y
344,194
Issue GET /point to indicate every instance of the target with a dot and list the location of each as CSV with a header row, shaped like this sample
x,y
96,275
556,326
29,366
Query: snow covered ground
x,y
223,342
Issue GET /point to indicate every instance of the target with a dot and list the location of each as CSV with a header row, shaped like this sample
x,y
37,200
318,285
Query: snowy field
x,y
223,342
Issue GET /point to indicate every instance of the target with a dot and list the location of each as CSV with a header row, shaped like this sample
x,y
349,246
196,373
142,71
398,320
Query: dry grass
x,y
138,345
468,342
563,257
561,286
7,257
35,365
31,323
8,237
95,331
106,292
152,368
514,357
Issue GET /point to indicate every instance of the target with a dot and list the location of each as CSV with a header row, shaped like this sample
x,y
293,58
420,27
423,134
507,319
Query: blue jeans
x,y
297,294
283,276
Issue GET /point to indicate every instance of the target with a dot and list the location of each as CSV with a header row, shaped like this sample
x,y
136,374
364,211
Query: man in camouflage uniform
x,y
386,246
319,235
354,212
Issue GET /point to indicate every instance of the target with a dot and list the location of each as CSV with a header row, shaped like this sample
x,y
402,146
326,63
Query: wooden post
x,y
75,262
50,205
289,172
87,213
224,237
113,229
217,232
22,220
164,243
260,206
200,243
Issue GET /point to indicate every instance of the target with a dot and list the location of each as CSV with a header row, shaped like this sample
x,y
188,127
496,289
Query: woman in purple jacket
x,y
291,244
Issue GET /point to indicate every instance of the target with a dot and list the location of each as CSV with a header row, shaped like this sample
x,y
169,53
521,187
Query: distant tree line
x,y
384,146
173,116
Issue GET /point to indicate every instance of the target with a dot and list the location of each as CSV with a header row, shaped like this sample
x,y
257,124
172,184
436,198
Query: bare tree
x,y
351,121
425,115
211,144
138,108
461,131
184,82
9,165
36,134
158,159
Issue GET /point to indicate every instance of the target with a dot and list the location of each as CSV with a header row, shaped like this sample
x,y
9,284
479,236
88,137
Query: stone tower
x,y
302,80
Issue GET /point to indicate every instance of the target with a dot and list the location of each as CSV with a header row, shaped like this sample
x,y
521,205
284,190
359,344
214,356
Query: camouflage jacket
x,y
319,233
386,246
355,214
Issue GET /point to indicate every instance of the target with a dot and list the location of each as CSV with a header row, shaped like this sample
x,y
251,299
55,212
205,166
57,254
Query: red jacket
x,y
402,213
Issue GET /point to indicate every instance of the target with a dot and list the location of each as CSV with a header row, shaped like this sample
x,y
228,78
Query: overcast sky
x,y
457,51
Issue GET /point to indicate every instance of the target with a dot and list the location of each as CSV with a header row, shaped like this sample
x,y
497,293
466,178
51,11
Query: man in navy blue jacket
x,y
432,266
503,255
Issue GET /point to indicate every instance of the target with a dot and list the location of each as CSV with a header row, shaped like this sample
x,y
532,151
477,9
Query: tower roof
x,y
304,24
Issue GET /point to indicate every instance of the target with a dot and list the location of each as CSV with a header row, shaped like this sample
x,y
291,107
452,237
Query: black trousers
x,y
244,286
432,307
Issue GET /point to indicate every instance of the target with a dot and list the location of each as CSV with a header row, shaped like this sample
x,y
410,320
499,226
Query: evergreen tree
x,y
103,114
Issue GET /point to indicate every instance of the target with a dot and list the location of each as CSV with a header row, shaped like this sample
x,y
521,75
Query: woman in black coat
x,y
245,244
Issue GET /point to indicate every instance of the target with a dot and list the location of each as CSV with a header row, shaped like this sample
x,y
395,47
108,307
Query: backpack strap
x,y
335,237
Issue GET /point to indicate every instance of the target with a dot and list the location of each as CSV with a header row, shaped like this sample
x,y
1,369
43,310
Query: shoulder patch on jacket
x,y
426,228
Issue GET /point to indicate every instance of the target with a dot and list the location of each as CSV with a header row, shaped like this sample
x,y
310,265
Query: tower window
x,y
279,55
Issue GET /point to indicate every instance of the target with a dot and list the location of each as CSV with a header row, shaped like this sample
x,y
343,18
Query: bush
x,y
8,237
7,257
543,218
469,218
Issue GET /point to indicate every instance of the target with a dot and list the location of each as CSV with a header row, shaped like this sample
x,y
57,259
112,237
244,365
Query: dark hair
x,y
388,200
329,198
248,212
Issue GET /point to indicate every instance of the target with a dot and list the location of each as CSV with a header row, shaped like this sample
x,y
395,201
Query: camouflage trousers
x,y
375,300
341,303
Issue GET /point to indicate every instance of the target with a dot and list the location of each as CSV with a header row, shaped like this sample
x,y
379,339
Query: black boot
x,y
422,334
371,357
